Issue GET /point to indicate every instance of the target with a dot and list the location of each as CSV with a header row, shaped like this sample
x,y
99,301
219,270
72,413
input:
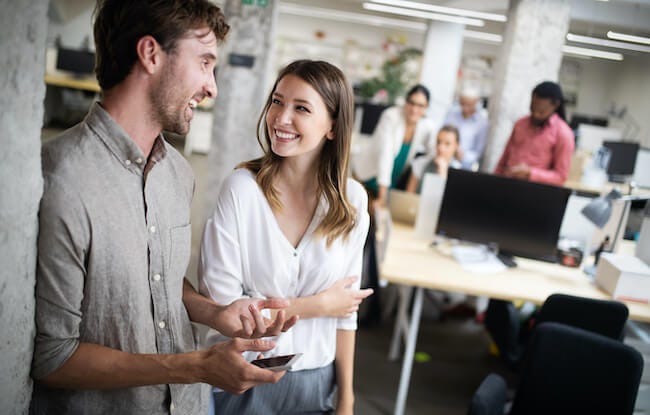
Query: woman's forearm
x,y
344,363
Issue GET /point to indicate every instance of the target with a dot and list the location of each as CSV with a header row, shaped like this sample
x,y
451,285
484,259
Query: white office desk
x,y
412,262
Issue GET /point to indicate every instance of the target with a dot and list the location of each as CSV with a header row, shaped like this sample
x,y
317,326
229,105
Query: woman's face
x,y
415,107
446,145
297,119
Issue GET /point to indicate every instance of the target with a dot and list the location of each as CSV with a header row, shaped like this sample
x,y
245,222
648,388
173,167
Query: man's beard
x,y
165,98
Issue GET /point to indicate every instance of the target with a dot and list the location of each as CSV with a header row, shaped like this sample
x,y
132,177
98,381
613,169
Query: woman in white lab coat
x,y
401,133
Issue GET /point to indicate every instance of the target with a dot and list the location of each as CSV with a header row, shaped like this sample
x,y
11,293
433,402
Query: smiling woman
x,y
291,224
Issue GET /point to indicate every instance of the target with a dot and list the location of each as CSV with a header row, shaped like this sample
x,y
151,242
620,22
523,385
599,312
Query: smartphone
x,y
277,363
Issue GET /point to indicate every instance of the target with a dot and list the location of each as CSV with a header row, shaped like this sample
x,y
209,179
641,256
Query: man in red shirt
x,y
541,144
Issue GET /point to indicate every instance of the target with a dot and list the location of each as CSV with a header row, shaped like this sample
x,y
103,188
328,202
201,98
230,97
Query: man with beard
x,y
113,308
541,144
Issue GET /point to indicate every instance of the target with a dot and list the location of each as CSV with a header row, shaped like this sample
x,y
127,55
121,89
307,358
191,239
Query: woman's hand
x,y
243,318
340,300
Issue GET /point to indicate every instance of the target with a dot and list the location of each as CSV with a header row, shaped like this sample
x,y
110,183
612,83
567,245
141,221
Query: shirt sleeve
x,y
357,240
476,151
220,261
501,165
384,139
63,242
562,152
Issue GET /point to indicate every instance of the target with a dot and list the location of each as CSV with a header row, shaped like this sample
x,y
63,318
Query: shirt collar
x,y
120,143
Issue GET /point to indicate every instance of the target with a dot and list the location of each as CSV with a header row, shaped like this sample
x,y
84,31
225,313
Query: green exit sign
x,y
247,1
263,3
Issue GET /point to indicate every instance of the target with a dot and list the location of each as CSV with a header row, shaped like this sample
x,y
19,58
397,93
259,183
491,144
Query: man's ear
x,y
149,53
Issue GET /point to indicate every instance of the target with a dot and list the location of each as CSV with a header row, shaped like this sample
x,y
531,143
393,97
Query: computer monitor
x,y
622,159
523,218
79,62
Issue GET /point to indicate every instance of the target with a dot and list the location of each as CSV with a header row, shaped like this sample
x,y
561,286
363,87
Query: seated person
x,y
401,133
541,144
472,124
447,146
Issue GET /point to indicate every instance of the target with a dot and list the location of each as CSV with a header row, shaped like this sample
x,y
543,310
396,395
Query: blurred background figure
x,y
472,123
446,156
401,134
541,144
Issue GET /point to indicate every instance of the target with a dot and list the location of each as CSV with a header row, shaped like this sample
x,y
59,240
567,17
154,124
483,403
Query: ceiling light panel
x,y
605,42
628,38
441,9
573,50
423,15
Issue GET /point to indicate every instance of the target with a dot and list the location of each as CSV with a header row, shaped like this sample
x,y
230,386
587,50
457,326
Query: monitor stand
x,y
508,260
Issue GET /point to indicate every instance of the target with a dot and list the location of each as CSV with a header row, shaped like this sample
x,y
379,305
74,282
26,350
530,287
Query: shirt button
x,y
171,407
161,324
138,160
295,254
127,162
152,229
156,277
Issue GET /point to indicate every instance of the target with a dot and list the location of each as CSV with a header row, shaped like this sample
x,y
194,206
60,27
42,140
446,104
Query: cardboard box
x,y
625,277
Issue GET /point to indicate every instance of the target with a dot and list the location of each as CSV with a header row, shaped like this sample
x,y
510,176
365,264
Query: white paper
x,y
478,259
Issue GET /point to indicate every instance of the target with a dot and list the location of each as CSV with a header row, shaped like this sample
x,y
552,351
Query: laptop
x,y
403,206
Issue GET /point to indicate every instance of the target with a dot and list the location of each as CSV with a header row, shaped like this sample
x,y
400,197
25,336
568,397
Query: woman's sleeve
x,y
220,262
356,242
383,137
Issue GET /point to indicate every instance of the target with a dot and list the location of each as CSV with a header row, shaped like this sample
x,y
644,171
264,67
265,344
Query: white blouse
x,y
245,254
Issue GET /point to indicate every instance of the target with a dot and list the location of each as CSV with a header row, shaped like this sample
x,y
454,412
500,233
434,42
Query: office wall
x,y
22,66
627,83
71,20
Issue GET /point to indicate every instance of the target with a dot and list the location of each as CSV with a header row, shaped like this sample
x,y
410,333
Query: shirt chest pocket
x,y
179,251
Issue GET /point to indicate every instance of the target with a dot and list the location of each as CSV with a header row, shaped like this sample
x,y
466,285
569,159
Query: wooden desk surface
x,y
414,262
606,188
66,81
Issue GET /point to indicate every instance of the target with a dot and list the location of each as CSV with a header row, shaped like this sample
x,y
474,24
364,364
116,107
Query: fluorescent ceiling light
x,y
604,42
423,15
628,38
440,9
351,17
573,50
490,37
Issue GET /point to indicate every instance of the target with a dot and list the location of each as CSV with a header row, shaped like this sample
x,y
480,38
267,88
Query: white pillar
x,y
440,63
23,29
531,53
241,88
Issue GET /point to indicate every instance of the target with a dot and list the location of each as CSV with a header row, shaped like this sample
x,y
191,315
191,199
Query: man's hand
x,y
223,366
243,318
520,171
340,300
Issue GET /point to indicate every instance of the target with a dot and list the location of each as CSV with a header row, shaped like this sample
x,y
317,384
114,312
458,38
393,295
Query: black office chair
x,y
567,370
502,321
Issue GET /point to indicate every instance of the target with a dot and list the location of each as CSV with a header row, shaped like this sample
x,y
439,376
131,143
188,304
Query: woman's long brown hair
x,y
337,94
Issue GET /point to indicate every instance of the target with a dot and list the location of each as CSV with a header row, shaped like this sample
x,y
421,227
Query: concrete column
x,y
531,53
241,88
23,29
440,61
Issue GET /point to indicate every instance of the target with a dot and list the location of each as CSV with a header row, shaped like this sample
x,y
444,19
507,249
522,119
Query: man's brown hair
x,y
119,24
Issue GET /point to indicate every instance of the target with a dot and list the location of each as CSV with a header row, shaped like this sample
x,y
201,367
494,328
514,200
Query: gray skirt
x,y
301,392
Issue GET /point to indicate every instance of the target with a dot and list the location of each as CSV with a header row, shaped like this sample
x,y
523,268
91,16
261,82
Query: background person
x,y
447,146
401,133
113,310
472,124
291,224
541,144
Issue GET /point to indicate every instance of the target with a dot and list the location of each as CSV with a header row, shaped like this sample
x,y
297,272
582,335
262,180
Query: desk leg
x,y
401,322
409,352
638,331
